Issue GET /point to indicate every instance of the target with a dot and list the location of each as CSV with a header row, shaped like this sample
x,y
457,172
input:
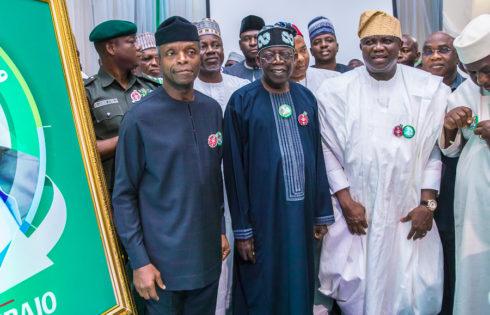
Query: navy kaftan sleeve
x,y
233,162
323,209
129,167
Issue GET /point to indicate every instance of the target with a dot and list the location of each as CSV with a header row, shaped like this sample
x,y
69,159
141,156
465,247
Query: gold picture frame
x,y
91,157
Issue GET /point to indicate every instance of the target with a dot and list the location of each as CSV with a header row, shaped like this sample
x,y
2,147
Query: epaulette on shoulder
x,y
89,80
150,78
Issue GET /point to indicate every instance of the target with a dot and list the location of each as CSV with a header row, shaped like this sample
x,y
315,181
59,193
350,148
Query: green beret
x,y
111,29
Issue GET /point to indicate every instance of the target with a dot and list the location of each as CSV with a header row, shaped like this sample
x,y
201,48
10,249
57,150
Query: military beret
x,y
111,29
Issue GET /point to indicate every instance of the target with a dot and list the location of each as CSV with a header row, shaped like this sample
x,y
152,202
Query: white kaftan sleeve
x,y
467,94
335,172
431,177
456,146
332,139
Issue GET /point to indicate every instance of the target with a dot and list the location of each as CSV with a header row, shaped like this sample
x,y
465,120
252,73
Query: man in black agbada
x,y
168,193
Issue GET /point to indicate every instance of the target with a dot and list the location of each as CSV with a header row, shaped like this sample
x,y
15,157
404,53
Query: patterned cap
x,y
298,32
373,22
320,25
146,40
208,26
275,36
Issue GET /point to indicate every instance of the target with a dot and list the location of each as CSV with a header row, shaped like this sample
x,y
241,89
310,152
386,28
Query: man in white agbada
x,y
380,123
211,81
309,77
215,84
470,138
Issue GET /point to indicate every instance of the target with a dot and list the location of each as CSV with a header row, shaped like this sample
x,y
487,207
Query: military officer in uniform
x,y
114,89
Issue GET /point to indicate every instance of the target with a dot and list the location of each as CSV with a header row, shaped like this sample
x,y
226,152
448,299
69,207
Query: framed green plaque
x,y
58,249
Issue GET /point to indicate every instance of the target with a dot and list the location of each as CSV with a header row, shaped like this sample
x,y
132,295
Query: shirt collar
x,y
248,67
106,79
459,79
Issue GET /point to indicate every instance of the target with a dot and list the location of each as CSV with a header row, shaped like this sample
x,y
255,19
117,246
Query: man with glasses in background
x,y
440,58
276,183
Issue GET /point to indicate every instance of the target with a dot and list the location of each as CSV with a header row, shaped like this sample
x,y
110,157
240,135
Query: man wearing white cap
x,y
467,134
380,125
211,81
234,58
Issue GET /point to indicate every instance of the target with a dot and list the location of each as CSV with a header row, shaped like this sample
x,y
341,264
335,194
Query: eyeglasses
x,y
283,55
442,51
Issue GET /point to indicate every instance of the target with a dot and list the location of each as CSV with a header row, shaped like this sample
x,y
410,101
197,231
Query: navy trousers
x,y
190,302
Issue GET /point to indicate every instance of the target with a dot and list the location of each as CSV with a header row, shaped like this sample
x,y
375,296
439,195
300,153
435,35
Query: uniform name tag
x,y
105,102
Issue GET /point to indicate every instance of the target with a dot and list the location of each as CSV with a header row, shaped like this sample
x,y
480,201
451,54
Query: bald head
x,y
410,41
439,56
409,52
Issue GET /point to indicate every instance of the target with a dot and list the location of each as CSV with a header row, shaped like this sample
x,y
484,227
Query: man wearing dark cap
x,y
168,193
324,45
248,69
409,52
114,89
276,184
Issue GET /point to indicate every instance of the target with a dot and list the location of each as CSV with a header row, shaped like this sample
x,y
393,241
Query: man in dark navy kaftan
x,y
277,186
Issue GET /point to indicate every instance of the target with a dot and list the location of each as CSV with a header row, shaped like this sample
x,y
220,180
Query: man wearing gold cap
x,y
467,134
380,124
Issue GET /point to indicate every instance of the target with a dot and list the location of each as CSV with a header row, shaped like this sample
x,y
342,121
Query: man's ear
x,y
110,47
257,60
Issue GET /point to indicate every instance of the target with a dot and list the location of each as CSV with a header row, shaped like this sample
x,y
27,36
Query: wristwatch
x,y
431,204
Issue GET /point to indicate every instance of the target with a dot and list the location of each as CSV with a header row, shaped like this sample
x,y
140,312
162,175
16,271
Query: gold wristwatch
x,y
431,204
